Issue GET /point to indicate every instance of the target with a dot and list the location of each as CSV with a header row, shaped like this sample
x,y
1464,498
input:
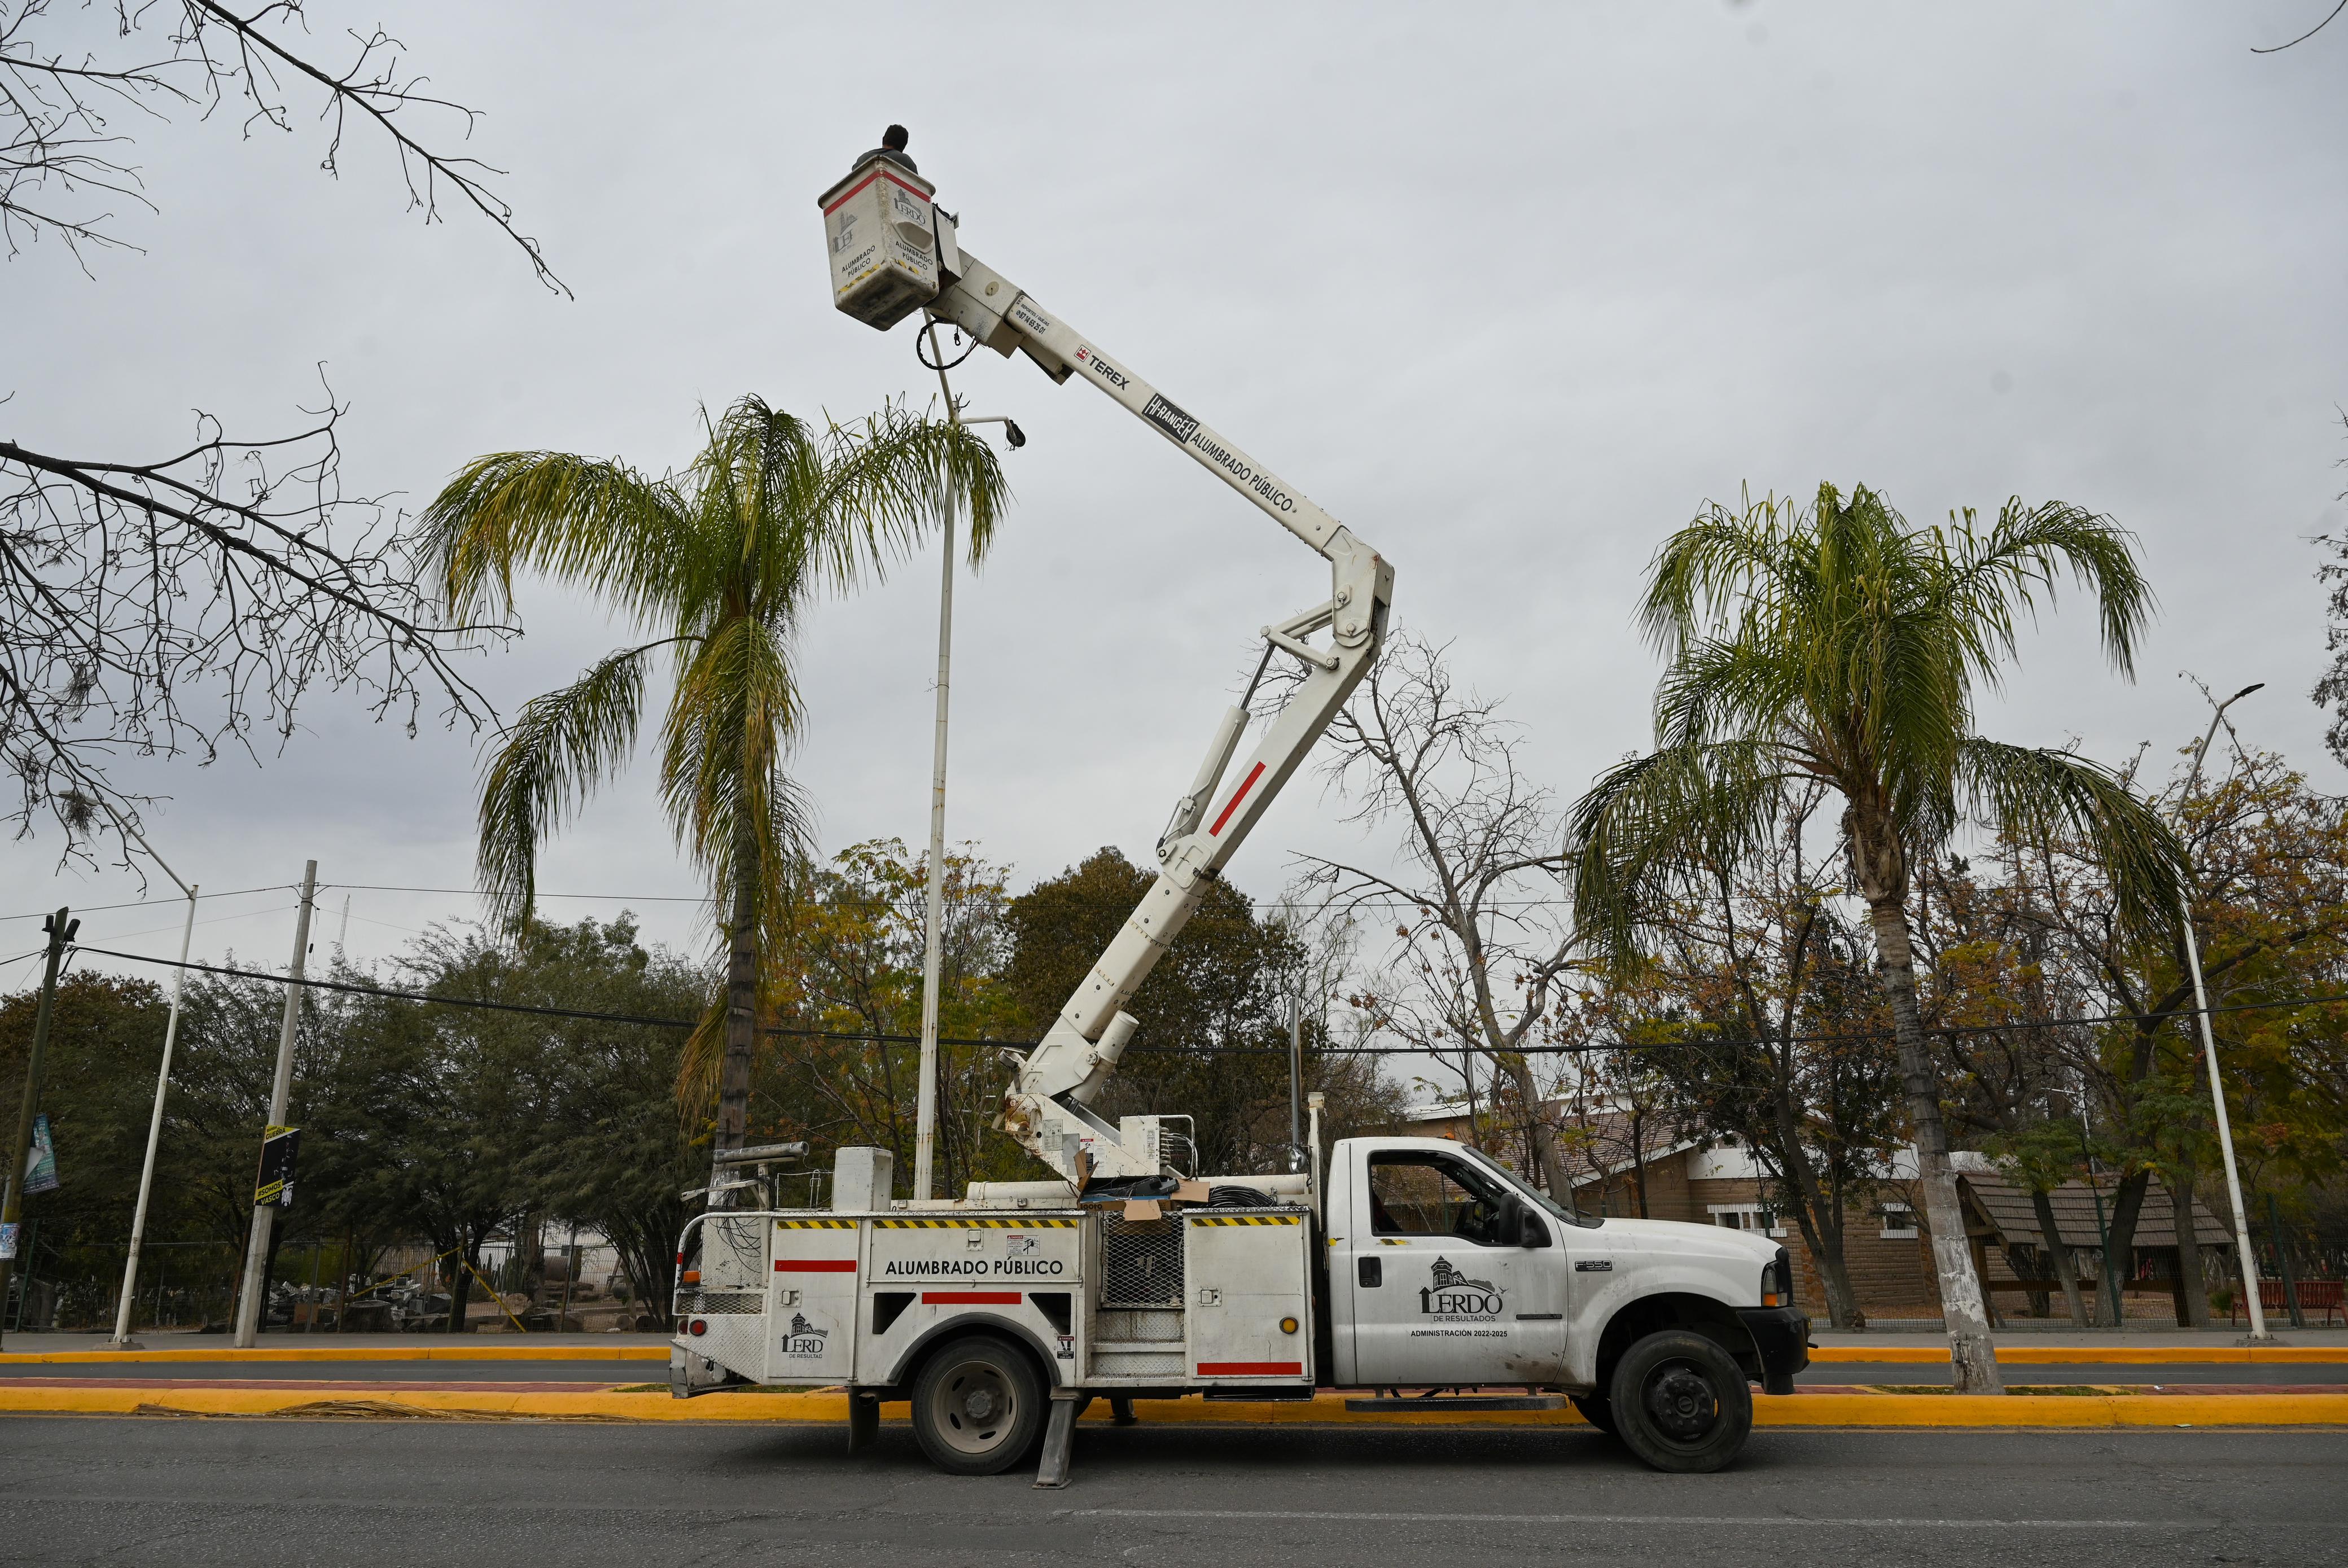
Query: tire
x,y
1596,1410
1680,1402
978,1407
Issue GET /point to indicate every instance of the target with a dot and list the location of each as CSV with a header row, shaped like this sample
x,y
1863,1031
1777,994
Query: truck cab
x,y
1445,1269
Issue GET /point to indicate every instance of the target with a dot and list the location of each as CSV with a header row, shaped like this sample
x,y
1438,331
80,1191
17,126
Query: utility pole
x,y
1296,1081
2250,1259
251,1299
122,1340
61,930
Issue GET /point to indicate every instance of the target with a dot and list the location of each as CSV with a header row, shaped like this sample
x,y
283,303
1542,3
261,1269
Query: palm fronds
x,y
561,746
2038,796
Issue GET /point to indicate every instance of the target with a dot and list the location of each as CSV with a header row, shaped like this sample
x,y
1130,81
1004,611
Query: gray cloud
x,y
1510,290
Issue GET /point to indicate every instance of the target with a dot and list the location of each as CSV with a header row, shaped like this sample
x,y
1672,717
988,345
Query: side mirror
x,y
1530,1230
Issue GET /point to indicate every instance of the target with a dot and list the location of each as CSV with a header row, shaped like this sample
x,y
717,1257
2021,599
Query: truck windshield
x,y
1540,1200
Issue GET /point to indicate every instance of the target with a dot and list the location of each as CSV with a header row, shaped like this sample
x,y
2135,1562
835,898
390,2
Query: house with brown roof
x,y
1671,1171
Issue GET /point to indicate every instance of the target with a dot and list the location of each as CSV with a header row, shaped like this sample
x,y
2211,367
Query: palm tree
x,y
1841,644
722,563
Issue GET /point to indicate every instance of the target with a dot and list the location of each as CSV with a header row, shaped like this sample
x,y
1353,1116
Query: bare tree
x,y
175,603
61,154
1482,941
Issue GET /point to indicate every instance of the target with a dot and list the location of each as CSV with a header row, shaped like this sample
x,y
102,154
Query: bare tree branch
x,y
2304,37
60,156
236,569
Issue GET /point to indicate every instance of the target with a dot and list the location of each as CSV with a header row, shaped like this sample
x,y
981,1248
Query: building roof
x,y
1598,1139
2006,1205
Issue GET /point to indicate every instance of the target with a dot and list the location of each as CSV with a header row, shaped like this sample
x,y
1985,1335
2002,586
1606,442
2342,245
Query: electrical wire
x,y
146,902
215,920
874,1037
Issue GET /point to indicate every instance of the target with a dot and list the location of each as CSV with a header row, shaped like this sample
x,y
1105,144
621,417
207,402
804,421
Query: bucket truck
x,y
1396,1263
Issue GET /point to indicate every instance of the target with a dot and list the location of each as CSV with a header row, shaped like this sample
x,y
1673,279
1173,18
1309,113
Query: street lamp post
x,y
925,1104
2249,1260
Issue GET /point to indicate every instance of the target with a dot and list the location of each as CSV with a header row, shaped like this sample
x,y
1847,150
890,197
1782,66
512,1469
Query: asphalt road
x,y
256,1493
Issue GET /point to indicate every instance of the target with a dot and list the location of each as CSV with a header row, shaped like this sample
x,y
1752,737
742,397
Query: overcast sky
x,y
1512,291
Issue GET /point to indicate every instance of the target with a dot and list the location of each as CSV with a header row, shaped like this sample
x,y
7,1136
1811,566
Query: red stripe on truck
x,y
970,1298
881,174
1254,773
1251,1368
815,1265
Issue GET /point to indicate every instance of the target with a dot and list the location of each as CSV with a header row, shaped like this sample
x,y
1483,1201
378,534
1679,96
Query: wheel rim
x,y
974,1408
1680,1402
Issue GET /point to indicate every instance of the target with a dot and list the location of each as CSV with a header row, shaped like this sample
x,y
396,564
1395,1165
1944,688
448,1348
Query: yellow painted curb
x,y
353,1353
1939,1410
2092,1355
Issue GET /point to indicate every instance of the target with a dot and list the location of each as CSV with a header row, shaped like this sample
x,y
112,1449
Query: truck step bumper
x,y
1456,1402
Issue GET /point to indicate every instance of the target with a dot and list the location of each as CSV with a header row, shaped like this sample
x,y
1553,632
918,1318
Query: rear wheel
x,y
978,1407
1680,1402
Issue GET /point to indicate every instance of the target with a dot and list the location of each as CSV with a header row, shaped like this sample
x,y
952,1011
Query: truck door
x,y
1436,1300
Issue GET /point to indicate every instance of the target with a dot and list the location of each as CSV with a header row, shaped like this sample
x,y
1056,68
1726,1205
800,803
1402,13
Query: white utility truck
x,y
1405,1262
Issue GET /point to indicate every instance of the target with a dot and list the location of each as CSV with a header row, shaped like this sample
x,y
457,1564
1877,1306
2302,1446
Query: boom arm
x,y
1048,1105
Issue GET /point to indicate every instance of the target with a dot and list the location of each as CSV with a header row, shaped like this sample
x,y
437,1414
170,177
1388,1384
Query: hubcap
x,y
1682,1401
974,1408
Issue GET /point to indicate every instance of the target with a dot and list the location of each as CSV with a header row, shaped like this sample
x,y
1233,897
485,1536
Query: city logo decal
x,y
1450,1294
805,1338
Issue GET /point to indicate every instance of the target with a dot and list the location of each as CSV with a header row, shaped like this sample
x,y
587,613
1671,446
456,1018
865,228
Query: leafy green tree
x,y
721,563
1224,984
97,1103
855,959
1840,644
610,1153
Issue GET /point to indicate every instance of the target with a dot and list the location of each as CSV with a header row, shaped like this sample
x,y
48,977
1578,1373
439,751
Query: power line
x,y
148,903
350,989
884,904
875,1037
476,893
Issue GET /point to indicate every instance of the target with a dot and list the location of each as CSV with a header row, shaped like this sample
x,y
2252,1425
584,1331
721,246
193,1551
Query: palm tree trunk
x,y
1973,1354
741,1004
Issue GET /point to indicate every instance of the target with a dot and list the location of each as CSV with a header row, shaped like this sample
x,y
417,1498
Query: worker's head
x,y
895,138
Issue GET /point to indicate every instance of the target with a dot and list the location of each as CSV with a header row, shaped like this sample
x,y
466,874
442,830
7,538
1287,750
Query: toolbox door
x,y
1250,1281
811,1303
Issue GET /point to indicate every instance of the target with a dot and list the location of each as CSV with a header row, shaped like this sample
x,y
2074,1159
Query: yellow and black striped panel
x,y
1247,1219
977,1224
815,1224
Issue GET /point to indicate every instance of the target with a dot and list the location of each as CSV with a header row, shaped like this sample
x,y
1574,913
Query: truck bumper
x,y
690,1373
1782,1335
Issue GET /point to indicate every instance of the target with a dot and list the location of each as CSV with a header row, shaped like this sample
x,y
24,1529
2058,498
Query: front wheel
x,y
1680,1402
978,1407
